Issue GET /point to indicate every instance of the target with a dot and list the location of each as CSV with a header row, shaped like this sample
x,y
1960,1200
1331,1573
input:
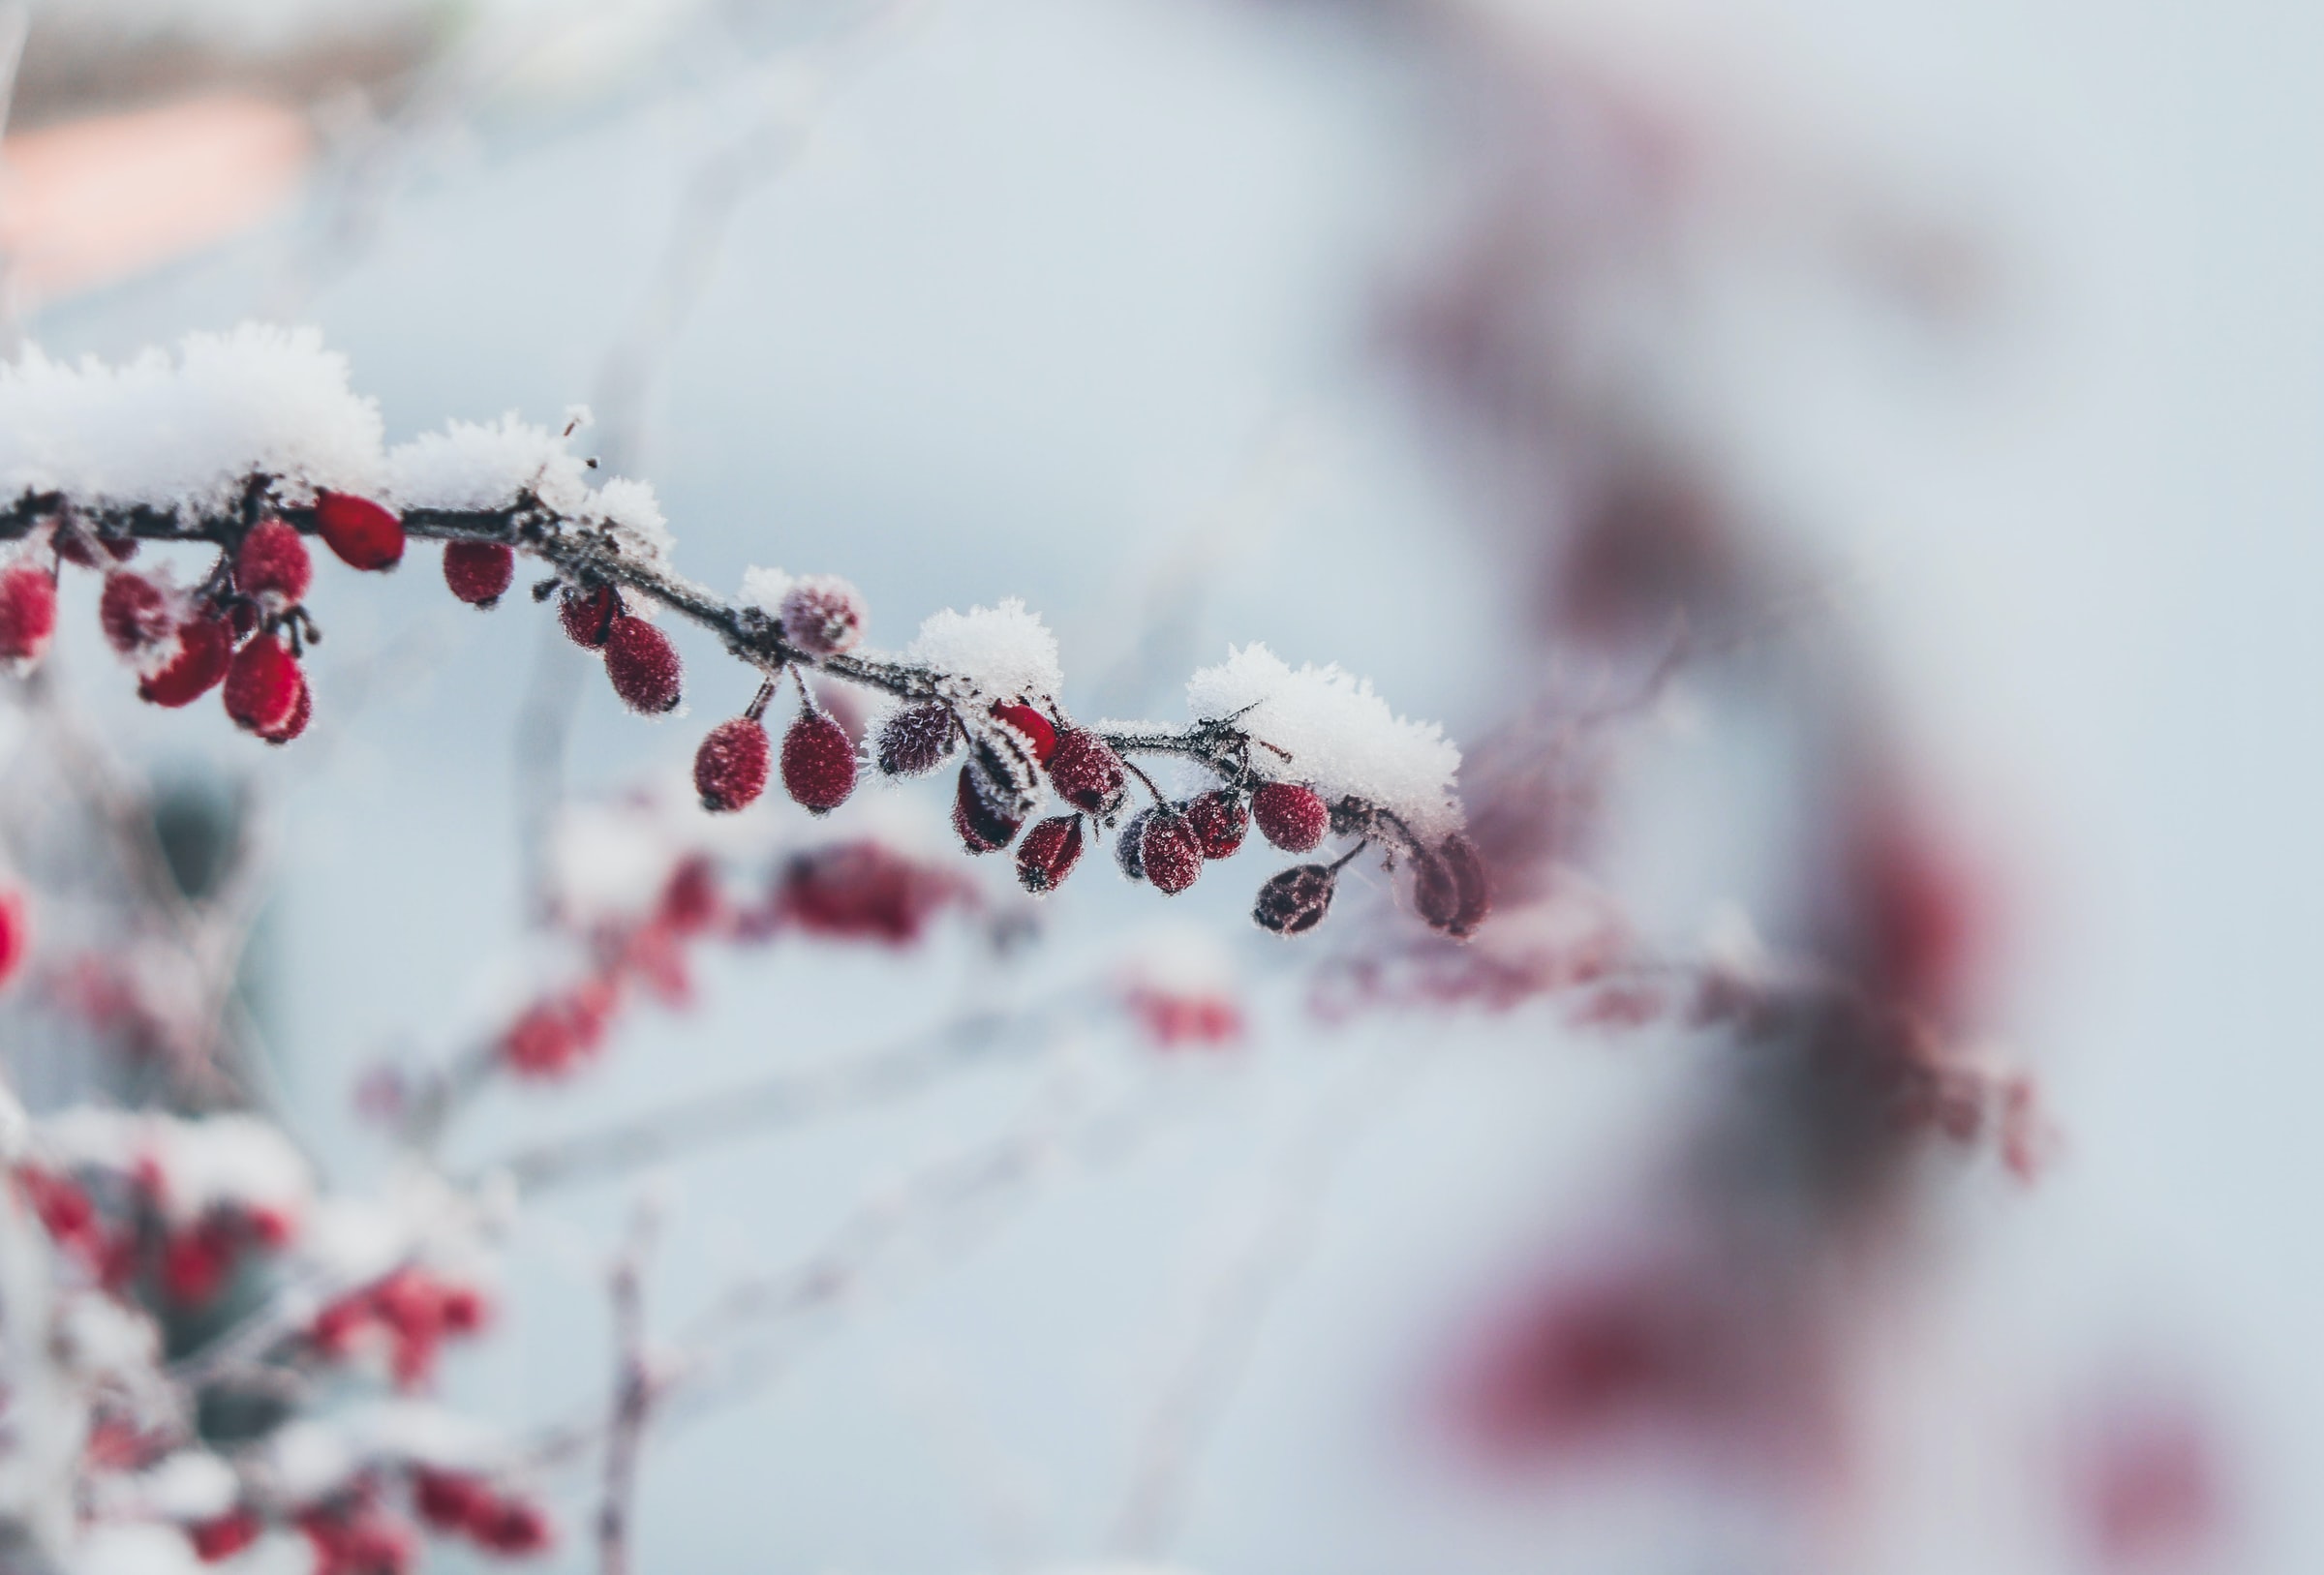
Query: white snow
x,y
765,588
486,466
136,1550
190,1485
1341,737
1000,652
202,1162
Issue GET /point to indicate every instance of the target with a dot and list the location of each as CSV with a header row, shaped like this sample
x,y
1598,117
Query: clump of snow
x,y
472,465
136,1550
1341,737
180,432
1002,653
764,589
416,1218
190,1485
228,1160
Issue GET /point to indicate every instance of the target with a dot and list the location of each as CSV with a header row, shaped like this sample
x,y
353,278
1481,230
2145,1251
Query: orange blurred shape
x,y
91,201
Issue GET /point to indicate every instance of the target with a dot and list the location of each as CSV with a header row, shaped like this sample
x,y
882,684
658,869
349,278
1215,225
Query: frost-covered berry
x,y
1449,888
1169,853
478,572
273,562
204,647
1292,816
1219,820
823,615
983,828
1086,773
915,740
1049,853
15,933
818,761
643,665
263,685
364,535
1295,900
27,612
1038,730
1127,851
302,711
134,612
588,616
730,769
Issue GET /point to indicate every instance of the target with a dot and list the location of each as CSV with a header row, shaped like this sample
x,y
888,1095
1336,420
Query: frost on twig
x,y
249,443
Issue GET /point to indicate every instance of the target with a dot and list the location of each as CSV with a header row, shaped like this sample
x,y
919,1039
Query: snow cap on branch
x,y
1002,653
472,465
1341,737
200,1164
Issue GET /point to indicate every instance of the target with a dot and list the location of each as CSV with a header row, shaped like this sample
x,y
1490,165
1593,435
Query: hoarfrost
x,y
990,652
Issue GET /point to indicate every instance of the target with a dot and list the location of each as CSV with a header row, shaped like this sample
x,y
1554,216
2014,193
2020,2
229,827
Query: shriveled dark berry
x,y
982,827
204,647
1434,893
1088,773
730,769
135,613
643,666
823,615
1128,849
1001,764
364,535
478,572
1291,815
818,761
915,740
1219,820
1474,897
272,561
588,615
263,685
1049,853
1168,852
1039,731
1295,900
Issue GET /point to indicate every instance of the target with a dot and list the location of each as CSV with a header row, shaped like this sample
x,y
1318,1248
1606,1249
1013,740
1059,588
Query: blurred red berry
x,y
509,1526
1295,900
643,666
27,612
447,1501
135,613
364,535
85,549
264,686
730,768
1086,773
1169,853
588,616
1219,820
818,761
15,933
865,890
222,1536
273,562
823,615
195,1263
915,740
205,649
1292,816
1049,853
478,572
1039,731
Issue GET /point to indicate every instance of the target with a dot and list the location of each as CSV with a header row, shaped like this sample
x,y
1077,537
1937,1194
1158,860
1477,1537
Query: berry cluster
x,y
411,1312
114,1226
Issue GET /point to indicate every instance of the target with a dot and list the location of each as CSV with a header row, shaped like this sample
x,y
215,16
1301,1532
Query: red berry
x,y
1168,852
364,535
915,740
1219,820
1294,900
818,761
1039,731
204,647
27,612
730,769
1049,853
301,713
983,828
1086,773
865,890
1292,816
479,571
823,615
643,665
1127,851
222,1536
588,615
273,562
509,1528
134,612
447,1501
15,933
264,686
75,546
194,1264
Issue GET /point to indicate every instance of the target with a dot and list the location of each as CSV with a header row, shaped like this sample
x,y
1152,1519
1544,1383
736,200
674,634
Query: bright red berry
x,y
1049,853
915,740
1039,731
273,562
447,1501
818,761
1294,817
263,685
730,769
588,615
478,572
302,711
222,1536
1086,773
983,828
1127,851
643,665
27,612
1295,900
823,615
364,535
135,613
1219,820
1169,853
15,933
204,647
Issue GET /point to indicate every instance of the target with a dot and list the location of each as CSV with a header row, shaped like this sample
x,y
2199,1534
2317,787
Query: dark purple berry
x,y
982,827
1169,853
1049,853
1127,849
1295,900
1086,773
916,739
